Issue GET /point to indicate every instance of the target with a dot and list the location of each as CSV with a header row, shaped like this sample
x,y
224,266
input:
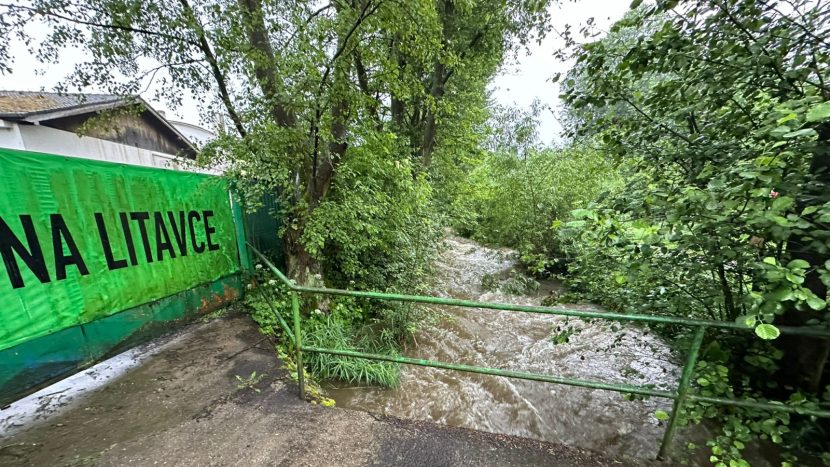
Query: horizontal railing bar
x,y
759,405
804,331
558,311
623,388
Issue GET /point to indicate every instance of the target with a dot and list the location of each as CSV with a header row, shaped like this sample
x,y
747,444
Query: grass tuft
x,y
331,333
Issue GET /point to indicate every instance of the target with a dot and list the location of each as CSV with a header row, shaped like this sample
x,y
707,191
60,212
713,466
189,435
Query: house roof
x,y
36,107
21,104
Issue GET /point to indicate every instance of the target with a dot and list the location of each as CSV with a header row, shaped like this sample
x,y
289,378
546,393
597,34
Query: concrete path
x,y
181,407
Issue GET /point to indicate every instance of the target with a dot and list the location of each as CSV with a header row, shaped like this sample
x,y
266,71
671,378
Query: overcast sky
x,y
522,83
531,78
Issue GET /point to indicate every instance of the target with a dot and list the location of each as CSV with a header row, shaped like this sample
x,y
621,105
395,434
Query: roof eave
x,y
168,125
45,115
51,114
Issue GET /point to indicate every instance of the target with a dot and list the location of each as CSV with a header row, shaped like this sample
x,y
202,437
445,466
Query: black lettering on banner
x,y
112,263
179,231
128,237
166,244
66,252
59,229
33,257
209,231
197,247
141,217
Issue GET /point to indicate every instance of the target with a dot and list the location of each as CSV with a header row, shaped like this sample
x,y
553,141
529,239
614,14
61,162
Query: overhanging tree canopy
x,y
299,81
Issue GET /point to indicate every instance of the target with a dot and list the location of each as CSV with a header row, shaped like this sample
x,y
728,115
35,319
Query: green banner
x,y
83,239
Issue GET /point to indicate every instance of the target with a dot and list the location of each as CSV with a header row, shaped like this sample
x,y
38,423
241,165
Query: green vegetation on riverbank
x,y
715,117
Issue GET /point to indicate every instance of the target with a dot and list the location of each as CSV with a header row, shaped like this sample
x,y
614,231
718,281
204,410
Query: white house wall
x,y
37,138
10,135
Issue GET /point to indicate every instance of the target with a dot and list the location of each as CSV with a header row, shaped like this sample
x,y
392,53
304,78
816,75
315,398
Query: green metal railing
x,y
679,396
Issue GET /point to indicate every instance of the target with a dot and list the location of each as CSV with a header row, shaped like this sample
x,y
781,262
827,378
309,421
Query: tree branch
x,y
102,25
641,112
264,69
216,71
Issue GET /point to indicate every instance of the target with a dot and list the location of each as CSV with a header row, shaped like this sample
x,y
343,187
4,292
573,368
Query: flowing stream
x,y
600,420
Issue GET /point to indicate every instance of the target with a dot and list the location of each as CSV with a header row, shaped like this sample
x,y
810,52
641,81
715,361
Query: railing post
x,y
298,343
685,378
239,224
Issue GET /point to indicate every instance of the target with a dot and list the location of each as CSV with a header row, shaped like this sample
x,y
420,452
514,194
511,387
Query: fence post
x,y
239,225
685,378
298,343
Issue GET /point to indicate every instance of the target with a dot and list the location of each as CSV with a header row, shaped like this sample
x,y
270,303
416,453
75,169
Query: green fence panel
x,y
262,228
83,239
28,366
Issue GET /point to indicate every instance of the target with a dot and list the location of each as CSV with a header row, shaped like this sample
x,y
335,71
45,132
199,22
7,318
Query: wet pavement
x,y
180,404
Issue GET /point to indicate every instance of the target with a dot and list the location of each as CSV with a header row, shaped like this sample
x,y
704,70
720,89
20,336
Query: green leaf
x,y
815,302
809,210
781,294
660,415
769,260
622,279
791,116
782,203
801,132
703,382
767,331
794,278
635,4
819,112
798,264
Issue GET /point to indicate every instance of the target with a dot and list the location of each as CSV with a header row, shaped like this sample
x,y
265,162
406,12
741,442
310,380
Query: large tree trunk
x,y
264,63
397,107
303,267
430,127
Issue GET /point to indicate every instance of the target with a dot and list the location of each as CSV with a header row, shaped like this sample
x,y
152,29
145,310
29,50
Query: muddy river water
x,y
595,419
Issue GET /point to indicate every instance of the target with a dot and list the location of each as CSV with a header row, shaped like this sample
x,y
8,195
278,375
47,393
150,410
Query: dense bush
x,y
521,189
720,117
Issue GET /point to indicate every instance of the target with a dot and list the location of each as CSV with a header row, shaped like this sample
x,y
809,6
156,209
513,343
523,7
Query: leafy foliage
x,y
520,188
717,114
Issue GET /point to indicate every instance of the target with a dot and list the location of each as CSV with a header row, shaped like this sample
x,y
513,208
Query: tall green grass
x,y
331,333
